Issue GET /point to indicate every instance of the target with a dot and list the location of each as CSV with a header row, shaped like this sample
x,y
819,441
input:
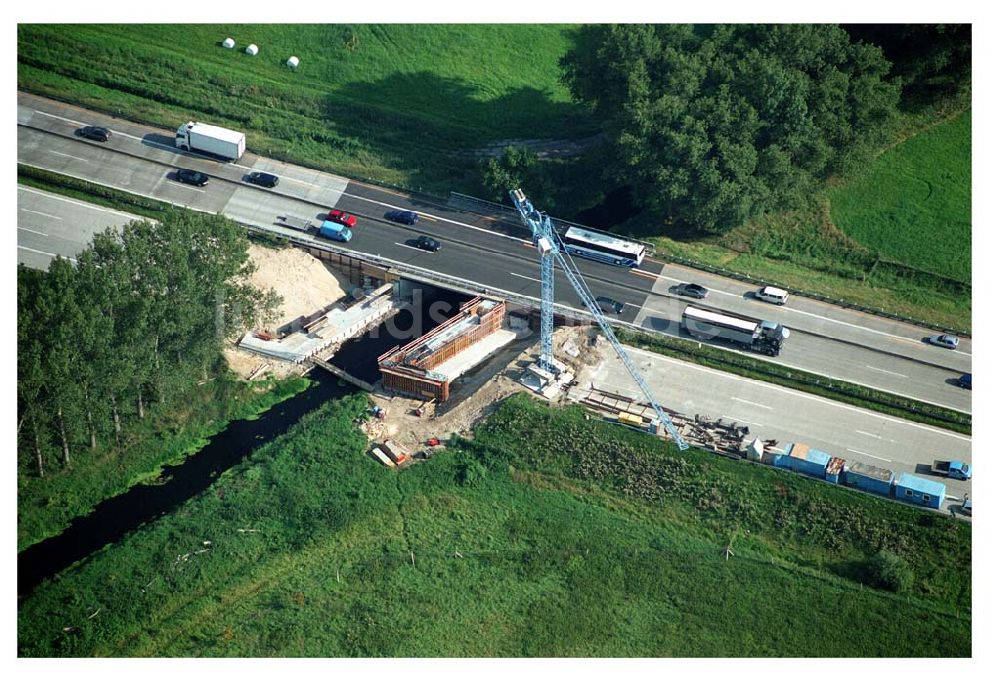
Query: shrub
x,y
889,571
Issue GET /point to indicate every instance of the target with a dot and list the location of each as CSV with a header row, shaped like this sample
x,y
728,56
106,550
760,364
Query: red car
x,y
349,220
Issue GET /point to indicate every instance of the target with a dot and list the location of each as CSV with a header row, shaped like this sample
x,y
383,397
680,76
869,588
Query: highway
x,y
774,412
50,225
486,251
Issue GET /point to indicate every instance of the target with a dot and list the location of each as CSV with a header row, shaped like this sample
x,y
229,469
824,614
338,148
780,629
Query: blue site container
x,y
913,489
867,478
801,458
834,469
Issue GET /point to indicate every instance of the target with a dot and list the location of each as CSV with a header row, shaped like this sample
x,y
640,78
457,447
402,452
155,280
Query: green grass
x,y
401,104
550,534
915,205
46,505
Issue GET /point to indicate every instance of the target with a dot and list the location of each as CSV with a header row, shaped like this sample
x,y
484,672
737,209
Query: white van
x,y
773,295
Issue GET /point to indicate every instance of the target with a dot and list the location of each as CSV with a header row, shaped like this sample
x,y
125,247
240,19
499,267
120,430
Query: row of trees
x,y
138,319
710,125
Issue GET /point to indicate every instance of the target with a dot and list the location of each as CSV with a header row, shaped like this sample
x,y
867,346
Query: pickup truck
x,y
953,469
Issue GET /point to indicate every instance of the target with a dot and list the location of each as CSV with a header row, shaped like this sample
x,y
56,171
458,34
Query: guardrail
x,y
743,277
482,206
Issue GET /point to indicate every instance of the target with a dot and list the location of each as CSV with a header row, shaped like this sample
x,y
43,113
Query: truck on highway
x,y
953,469
211,140
759,336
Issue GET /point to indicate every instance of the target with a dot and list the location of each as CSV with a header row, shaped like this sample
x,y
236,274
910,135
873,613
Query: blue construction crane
x,y
550,248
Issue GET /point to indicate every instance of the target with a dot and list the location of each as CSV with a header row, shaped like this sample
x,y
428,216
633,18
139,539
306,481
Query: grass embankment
x,y
46,505
841,391
550,534
399,104
898,238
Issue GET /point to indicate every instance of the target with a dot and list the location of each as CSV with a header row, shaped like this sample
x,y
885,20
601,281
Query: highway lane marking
x,y
805,396
759,425
756,404
633,305
645,273
38,251
886,371
32,211
887,460
60,198
435,218
533,279
184,185
819,317
410,246
55,152
32,231
862,432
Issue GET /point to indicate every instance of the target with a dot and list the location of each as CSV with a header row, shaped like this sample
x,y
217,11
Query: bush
x,y
889,571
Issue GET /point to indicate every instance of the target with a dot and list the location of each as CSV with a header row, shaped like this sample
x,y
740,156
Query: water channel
x,y
119,515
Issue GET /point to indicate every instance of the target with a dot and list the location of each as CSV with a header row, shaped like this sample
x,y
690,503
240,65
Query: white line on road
x,y
533,279
36,232
50,196
805,396
409,246
37,251
184,185
55,152
855,451
862,432
886,371
756,404
51,216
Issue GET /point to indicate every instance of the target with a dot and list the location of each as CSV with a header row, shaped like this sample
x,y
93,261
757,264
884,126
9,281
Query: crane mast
x,y
549,246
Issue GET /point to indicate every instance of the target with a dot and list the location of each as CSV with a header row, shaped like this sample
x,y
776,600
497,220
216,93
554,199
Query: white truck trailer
x,y
759,336
211,140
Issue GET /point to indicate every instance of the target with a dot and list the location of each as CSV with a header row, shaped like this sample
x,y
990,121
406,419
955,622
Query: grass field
x,y
46,505
406,105
915,205
548,535
403,104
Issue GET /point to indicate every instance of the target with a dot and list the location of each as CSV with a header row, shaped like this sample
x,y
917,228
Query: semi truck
x,y
953,469
760,336
211,140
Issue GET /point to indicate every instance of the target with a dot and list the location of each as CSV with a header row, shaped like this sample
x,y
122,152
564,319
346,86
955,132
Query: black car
x,y
399,216
690,289
263,179
427,243
192,177
609,305
965,381
94,133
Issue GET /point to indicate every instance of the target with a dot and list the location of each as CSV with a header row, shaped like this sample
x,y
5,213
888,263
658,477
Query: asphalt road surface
x,y
774,412
485,250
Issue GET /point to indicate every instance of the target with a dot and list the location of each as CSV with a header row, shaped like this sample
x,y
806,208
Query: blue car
x,y
399,216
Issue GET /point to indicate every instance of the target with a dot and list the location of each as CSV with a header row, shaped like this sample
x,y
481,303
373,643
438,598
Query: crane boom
x,y
550,247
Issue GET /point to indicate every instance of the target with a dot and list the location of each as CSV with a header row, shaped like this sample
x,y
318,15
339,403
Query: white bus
x,y
603,247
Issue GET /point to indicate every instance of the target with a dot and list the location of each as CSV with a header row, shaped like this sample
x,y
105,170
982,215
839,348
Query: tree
x,y
930,61
710,125
889,571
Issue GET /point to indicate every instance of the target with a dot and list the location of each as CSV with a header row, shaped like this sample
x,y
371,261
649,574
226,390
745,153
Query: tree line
x,y
709,125
136,321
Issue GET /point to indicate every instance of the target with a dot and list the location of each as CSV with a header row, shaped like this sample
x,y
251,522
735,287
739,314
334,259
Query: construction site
x,y
429,385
